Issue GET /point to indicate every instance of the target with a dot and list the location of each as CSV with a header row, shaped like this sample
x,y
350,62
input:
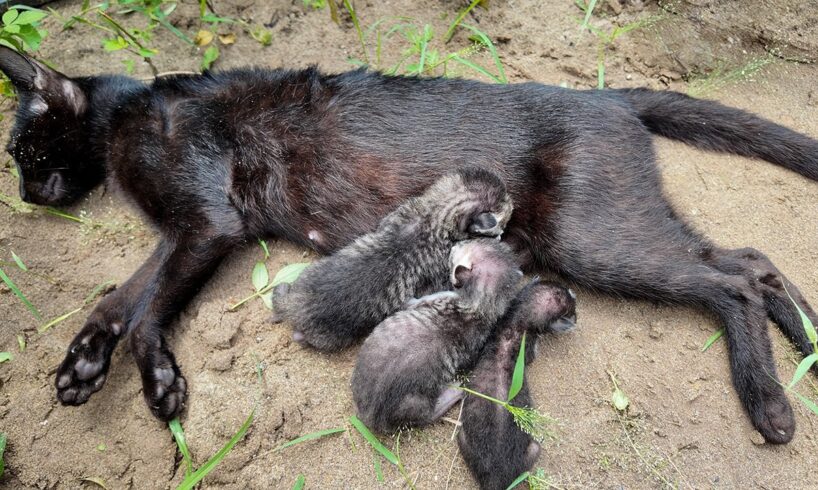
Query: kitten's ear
x,y
460,275
32,77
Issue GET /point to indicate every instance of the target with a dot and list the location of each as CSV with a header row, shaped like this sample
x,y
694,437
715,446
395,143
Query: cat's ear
x,y
29,76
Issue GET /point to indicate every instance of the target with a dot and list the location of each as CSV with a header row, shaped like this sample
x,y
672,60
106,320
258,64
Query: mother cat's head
x,y
51,138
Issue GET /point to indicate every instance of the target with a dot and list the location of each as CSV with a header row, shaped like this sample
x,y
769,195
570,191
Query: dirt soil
x,y
685,425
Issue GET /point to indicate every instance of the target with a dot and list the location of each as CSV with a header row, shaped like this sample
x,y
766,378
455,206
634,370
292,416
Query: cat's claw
x,y
85,368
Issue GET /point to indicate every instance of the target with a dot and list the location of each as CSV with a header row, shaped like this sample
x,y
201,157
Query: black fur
x,y
494,448
405,365
217,159
339,299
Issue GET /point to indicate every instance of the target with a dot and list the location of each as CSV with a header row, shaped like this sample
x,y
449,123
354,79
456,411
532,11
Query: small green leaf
x,y
803,367
713,338
519,372
267,299
3,441
299,482
30,17
619,399
518,480
309,437
373,441
14,289
9,16
289,273
147,52
262,36
809,328
115,44
194,478
5,356
21,342
130,66
211,54
260,277
101,447
12,28
179,435
18,261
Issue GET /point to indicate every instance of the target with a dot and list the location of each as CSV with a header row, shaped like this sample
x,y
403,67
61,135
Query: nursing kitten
x,y
406,364
339,299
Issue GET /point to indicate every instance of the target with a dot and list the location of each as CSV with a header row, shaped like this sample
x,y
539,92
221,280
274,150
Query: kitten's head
x,y
486,273
471,202
545,307
49,141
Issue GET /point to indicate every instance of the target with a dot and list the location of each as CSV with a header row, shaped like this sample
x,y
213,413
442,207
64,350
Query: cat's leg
x,y
776,289
187,267
85,367
649,253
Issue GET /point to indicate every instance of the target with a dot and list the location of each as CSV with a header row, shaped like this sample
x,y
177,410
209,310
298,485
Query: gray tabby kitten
x,y
405,365
339,299
493,446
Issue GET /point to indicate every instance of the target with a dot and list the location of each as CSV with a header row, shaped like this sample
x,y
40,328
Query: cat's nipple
x,y
315,237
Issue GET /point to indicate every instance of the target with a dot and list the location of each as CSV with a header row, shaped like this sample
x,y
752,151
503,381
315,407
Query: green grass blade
x,y
713,338
299,482
373,441
5,356
807,402
485,41
518,480
589,10
14,289
3,440
64,215
59,319
179,435
463,13
803,367
309,437
19,261
95,480
217,458
519,372
98,289
475,67
376,462
354,16
809,328
21,342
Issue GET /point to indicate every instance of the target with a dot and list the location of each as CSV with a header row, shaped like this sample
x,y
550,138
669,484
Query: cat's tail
x,y
712,126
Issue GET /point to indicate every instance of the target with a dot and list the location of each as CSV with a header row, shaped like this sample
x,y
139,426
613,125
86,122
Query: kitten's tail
x,y
712,126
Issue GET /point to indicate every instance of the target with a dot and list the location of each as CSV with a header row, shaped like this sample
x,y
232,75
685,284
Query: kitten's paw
x,y
775,420
85,367
164,389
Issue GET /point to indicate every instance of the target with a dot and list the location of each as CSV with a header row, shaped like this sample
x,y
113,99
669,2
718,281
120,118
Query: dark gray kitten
x,y
405,365
494,448
339,299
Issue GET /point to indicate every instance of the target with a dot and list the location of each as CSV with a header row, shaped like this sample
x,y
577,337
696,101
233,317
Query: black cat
x,y
216,159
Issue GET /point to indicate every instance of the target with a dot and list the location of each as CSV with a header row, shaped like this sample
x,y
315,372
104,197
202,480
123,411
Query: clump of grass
x,y
378,446
16,290
529,420
808,362
194,477
722,77
605,40
260,278
538,480
460,16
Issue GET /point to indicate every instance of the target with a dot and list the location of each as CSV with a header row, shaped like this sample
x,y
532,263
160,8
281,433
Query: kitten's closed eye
x,y
484,224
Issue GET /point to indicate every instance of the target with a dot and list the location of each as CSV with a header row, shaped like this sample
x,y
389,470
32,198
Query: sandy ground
x,y
685,426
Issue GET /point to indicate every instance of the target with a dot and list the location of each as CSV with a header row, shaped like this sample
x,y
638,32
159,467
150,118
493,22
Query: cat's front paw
x,y
85,367
164,388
